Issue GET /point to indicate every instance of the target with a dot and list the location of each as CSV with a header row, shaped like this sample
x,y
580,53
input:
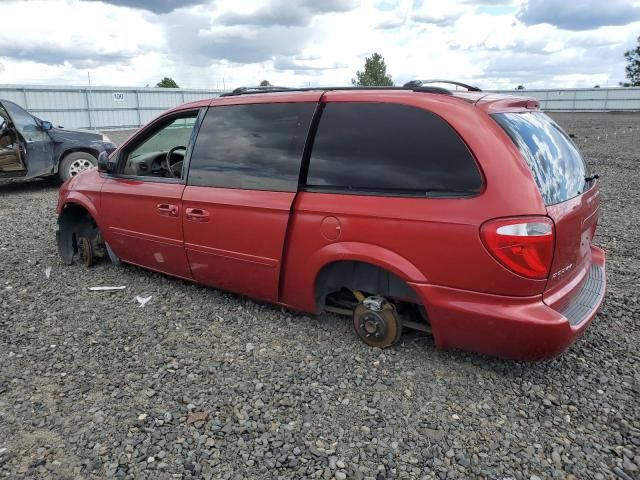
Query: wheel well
x,y
362,276
74,222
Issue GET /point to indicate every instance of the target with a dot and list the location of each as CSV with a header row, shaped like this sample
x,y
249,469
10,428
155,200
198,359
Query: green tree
x,y
265,83
374,74
167,82
633,66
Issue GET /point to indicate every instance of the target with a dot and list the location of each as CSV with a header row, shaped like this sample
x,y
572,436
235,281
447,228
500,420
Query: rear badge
x,y
562,271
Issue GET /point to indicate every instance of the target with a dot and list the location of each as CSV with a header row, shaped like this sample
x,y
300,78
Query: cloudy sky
x,y
203,43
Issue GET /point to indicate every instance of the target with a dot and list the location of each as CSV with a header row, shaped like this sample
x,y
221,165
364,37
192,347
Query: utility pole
x,y
88,95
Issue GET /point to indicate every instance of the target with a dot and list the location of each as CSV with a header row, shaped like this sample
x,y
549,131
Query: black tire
x,y
74,163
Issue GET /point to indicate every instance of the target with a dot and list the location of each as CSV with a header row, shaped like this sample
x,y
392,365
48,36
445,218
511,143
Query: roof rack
x,y
274,89
258,89
420,83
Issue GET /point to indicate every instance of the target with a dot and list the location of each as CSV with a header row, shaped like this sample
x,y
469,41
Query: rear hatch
x,y
569,192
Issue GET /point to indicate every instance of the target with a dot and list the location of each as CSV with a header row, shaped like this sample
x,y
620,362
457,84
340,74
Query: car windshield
x,y
554,160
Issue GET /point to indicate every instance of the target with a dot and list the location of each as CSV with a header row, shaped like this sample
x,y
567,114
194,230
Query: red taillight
x,y
524,245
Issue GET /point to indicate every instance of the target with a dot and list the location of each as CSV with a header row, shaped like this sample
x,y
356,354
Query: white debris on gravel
x,y
142,301
106,289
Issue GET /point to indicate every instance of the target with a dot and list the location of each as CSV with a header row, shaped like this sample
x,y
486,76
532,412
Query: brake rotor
x,y
378,328
85,251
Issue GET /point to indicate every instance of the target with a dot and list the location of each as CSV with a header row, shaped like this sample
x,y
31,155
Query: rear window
x,y
554,160
390,148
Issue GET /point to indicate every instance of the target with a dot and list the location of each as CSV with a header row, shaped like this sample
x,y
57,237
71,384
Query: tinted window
x,y
251,146
389,147
554,160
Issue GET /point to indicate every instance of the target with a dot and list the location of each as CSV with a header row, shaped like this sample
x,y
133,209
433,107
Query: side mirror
x,y
45,126
105,165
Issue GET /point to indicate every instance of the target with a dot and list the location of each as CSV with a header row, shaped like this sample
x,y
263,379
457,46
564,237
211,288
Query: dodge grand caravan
x,y
466,214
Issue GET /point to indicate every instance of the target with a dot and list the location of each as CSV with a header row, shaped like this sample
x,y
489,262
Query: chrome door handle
x,y
198,215
167,210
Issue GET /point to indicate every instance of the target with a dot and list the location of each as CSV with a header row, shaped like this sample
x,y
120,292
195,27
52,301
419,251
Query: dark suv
x,y
466,214
30,147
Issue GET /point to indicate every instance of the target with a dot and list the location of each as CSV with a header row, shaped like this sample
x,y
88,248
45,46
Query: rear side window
x,y
256,147
385,147
554,160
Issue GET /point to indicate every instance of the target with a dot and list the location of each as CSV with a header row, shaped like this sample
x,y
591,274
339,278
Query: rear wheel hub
x,y
373,325
380,328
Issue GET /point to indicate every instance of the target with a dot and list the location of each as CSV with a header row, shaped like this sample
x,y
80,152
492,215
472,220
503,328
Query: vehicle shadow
x,y
19,185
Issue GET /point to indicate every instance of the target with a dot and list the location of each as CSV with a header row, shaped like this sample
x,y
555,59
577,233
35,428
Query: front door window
x,y
162,154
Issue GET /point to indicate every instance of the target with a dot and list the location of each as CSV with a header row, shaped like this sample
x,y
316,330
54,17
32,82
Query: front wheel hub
x,y
85,251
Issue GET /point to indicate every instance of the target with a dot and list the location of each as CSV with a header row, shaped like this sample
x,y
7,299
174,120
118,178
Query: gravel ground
x,y
119,136
204,384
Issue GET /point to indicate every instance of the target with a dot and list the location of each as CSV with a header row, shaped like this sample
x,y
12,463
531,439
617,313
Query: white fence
x,y
123,108
102,107
585,99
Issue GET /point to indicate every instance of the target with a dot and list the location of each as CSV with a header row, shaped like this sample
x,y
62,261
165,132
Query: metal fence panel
x,y
112,119
148,115
194,96
625,105
66,119
46,101
592,94
100,107
120,108
591,104
16,96
624,93
161,98
584,99
113,100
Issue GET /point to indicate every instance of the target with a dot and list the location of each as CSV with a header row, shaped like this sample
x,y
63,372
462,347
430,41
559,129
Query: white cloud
x,y
201,43
580,14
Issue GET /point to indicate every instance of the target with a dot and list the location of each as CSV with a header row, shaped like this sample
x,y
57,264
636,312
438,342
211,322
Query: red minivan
x,y
466,214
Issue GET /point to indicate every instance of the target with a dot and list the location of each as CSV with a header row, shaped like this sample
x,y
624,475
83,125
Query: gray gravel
x,y
204,384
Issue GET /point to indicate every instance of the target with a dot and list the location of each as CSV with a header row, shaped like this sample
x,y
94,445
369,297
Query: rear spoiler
x,y
501,102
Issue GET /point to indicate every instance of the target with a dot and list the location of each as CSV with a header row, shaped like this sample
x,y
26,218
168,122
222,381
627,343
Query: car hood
x,y
66,135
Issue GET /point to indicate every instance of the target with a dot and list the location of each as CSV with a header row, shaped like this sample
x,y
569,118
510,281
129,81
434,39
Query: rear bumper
x,y
523,328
